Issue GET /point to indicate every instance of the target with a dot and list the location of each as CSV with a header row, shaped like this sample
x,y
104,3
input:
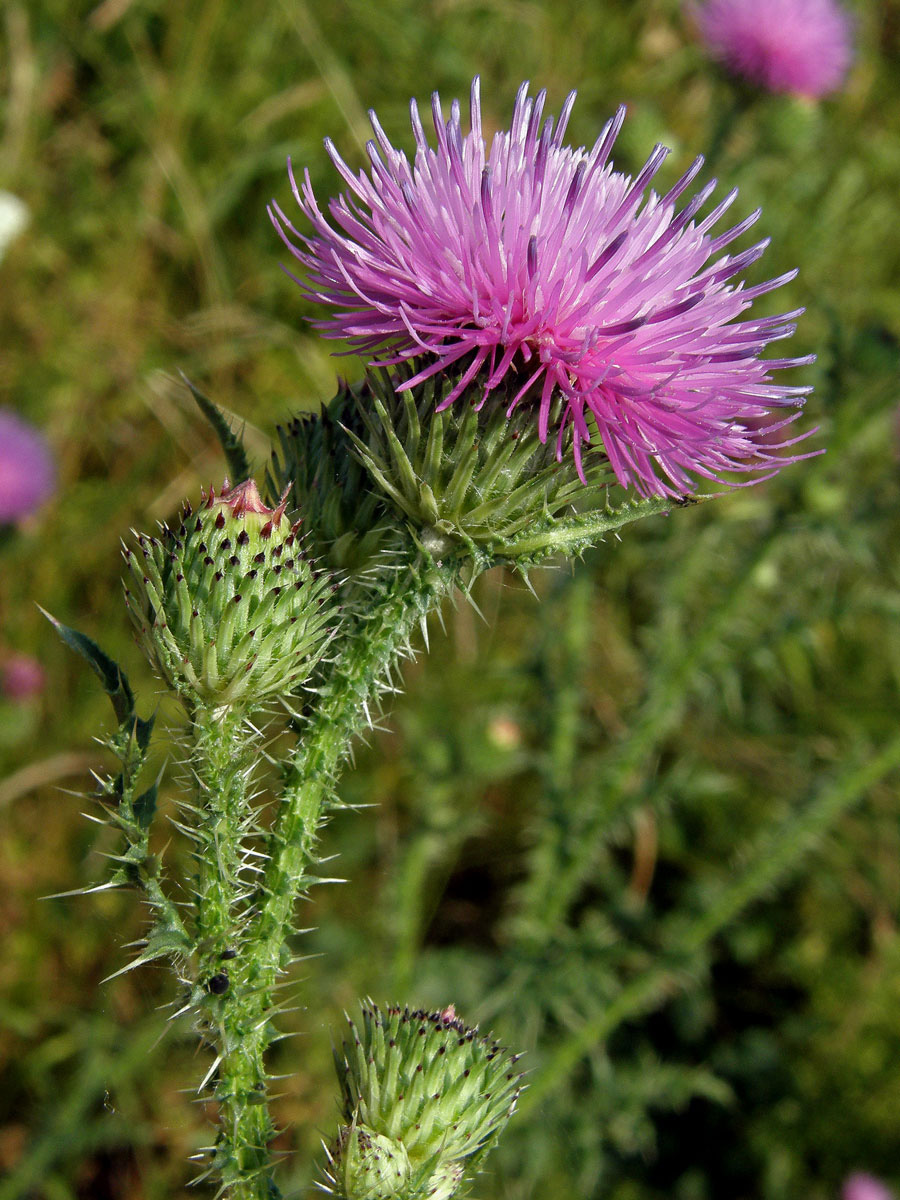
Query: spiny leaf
x,y
161,943
232,445
110,674
145,804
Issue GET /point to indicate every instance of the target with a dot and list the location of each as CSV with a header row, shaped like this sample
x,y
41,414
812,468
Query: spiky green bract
x,y
227,606
468,474
427,1088
347,520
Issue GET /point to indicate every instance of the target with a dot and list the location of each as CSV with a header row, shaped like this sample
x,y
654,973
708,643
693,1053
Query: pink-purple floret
x,y
540,267
798,46
27,473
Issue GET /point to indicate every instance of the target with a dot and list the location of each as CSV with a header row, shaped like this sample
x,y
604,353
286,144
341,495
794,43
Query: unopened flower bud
x,y
226,604
424,1086
369,1165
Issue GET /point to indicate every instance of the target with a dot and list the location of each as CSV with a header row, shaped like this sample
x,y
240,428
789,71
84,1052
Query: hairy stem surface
x,y
369,658
225,988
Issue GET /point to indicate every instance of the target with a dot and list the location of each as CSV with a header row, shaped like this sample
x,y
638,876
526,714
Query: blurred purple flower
x,y
542,268
27,473
860,1186
799,46
21,677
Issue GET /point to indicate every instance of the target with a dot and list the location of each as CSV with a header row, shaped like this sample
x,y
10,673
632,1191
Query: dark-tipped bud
x,y
211,607
424,1098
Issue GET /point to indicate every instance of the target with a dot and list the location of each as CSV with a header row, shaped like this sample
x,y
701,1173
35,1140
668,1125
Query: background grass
x,y
646,830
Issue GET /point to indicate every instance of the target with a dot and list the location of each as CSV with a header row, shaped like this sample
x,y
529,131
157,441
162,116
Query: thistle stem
x,y
250,923
222,768
225,988
381,638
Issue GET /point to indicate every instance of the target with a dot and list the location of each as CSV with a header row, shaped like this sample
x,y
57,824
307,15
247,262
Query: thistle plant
x,y
553,353
26,468
799,46
227,606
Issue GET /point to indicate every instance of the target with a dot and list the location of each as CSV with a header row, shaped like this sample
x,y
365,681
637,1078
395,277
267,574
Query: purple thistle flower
x,y
861,1186
799,46
27,473
540,267
21,677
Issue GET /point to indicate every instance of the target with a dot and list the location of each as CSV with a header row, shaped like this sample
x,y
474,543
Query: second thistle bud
x,y
424,1098
226,605
370,1166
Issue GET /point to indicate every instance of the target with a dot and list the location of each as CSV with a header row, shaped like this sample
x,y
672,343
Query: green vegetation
x,y
646,829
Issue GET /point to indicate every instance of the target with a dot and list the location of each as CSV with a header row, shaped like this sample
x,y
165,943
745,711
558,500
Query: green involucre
x,y
470,474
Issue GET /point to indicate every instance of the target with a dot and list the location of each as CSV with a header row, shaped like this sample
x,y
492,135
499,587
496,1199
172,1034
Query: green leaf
x,y
162,943
232,445
145,804
142,731
110,674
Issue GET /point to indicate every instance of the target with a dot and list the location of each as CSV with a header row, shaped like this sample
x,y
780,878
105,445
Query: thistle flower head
x,y
226,604
424,1097
538,272
369,1165
21,677
861,1186
27,474
798,46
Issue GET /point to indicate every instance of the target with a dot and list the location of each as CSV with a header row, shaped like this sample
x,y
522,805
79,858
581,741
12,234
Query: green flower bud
x,y
347,518
439,1094
370,1166
470,474
226,605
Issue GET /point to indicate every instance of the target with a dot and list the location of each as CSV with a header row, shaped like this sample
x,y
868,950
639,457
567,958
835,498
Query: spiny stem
x,y
243,928
226,989
382,636
242,1156
221,764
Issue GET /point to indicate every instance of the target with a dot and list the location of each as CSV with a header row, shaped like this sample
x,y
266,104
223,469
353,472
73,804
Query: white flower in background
x,y
14,218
